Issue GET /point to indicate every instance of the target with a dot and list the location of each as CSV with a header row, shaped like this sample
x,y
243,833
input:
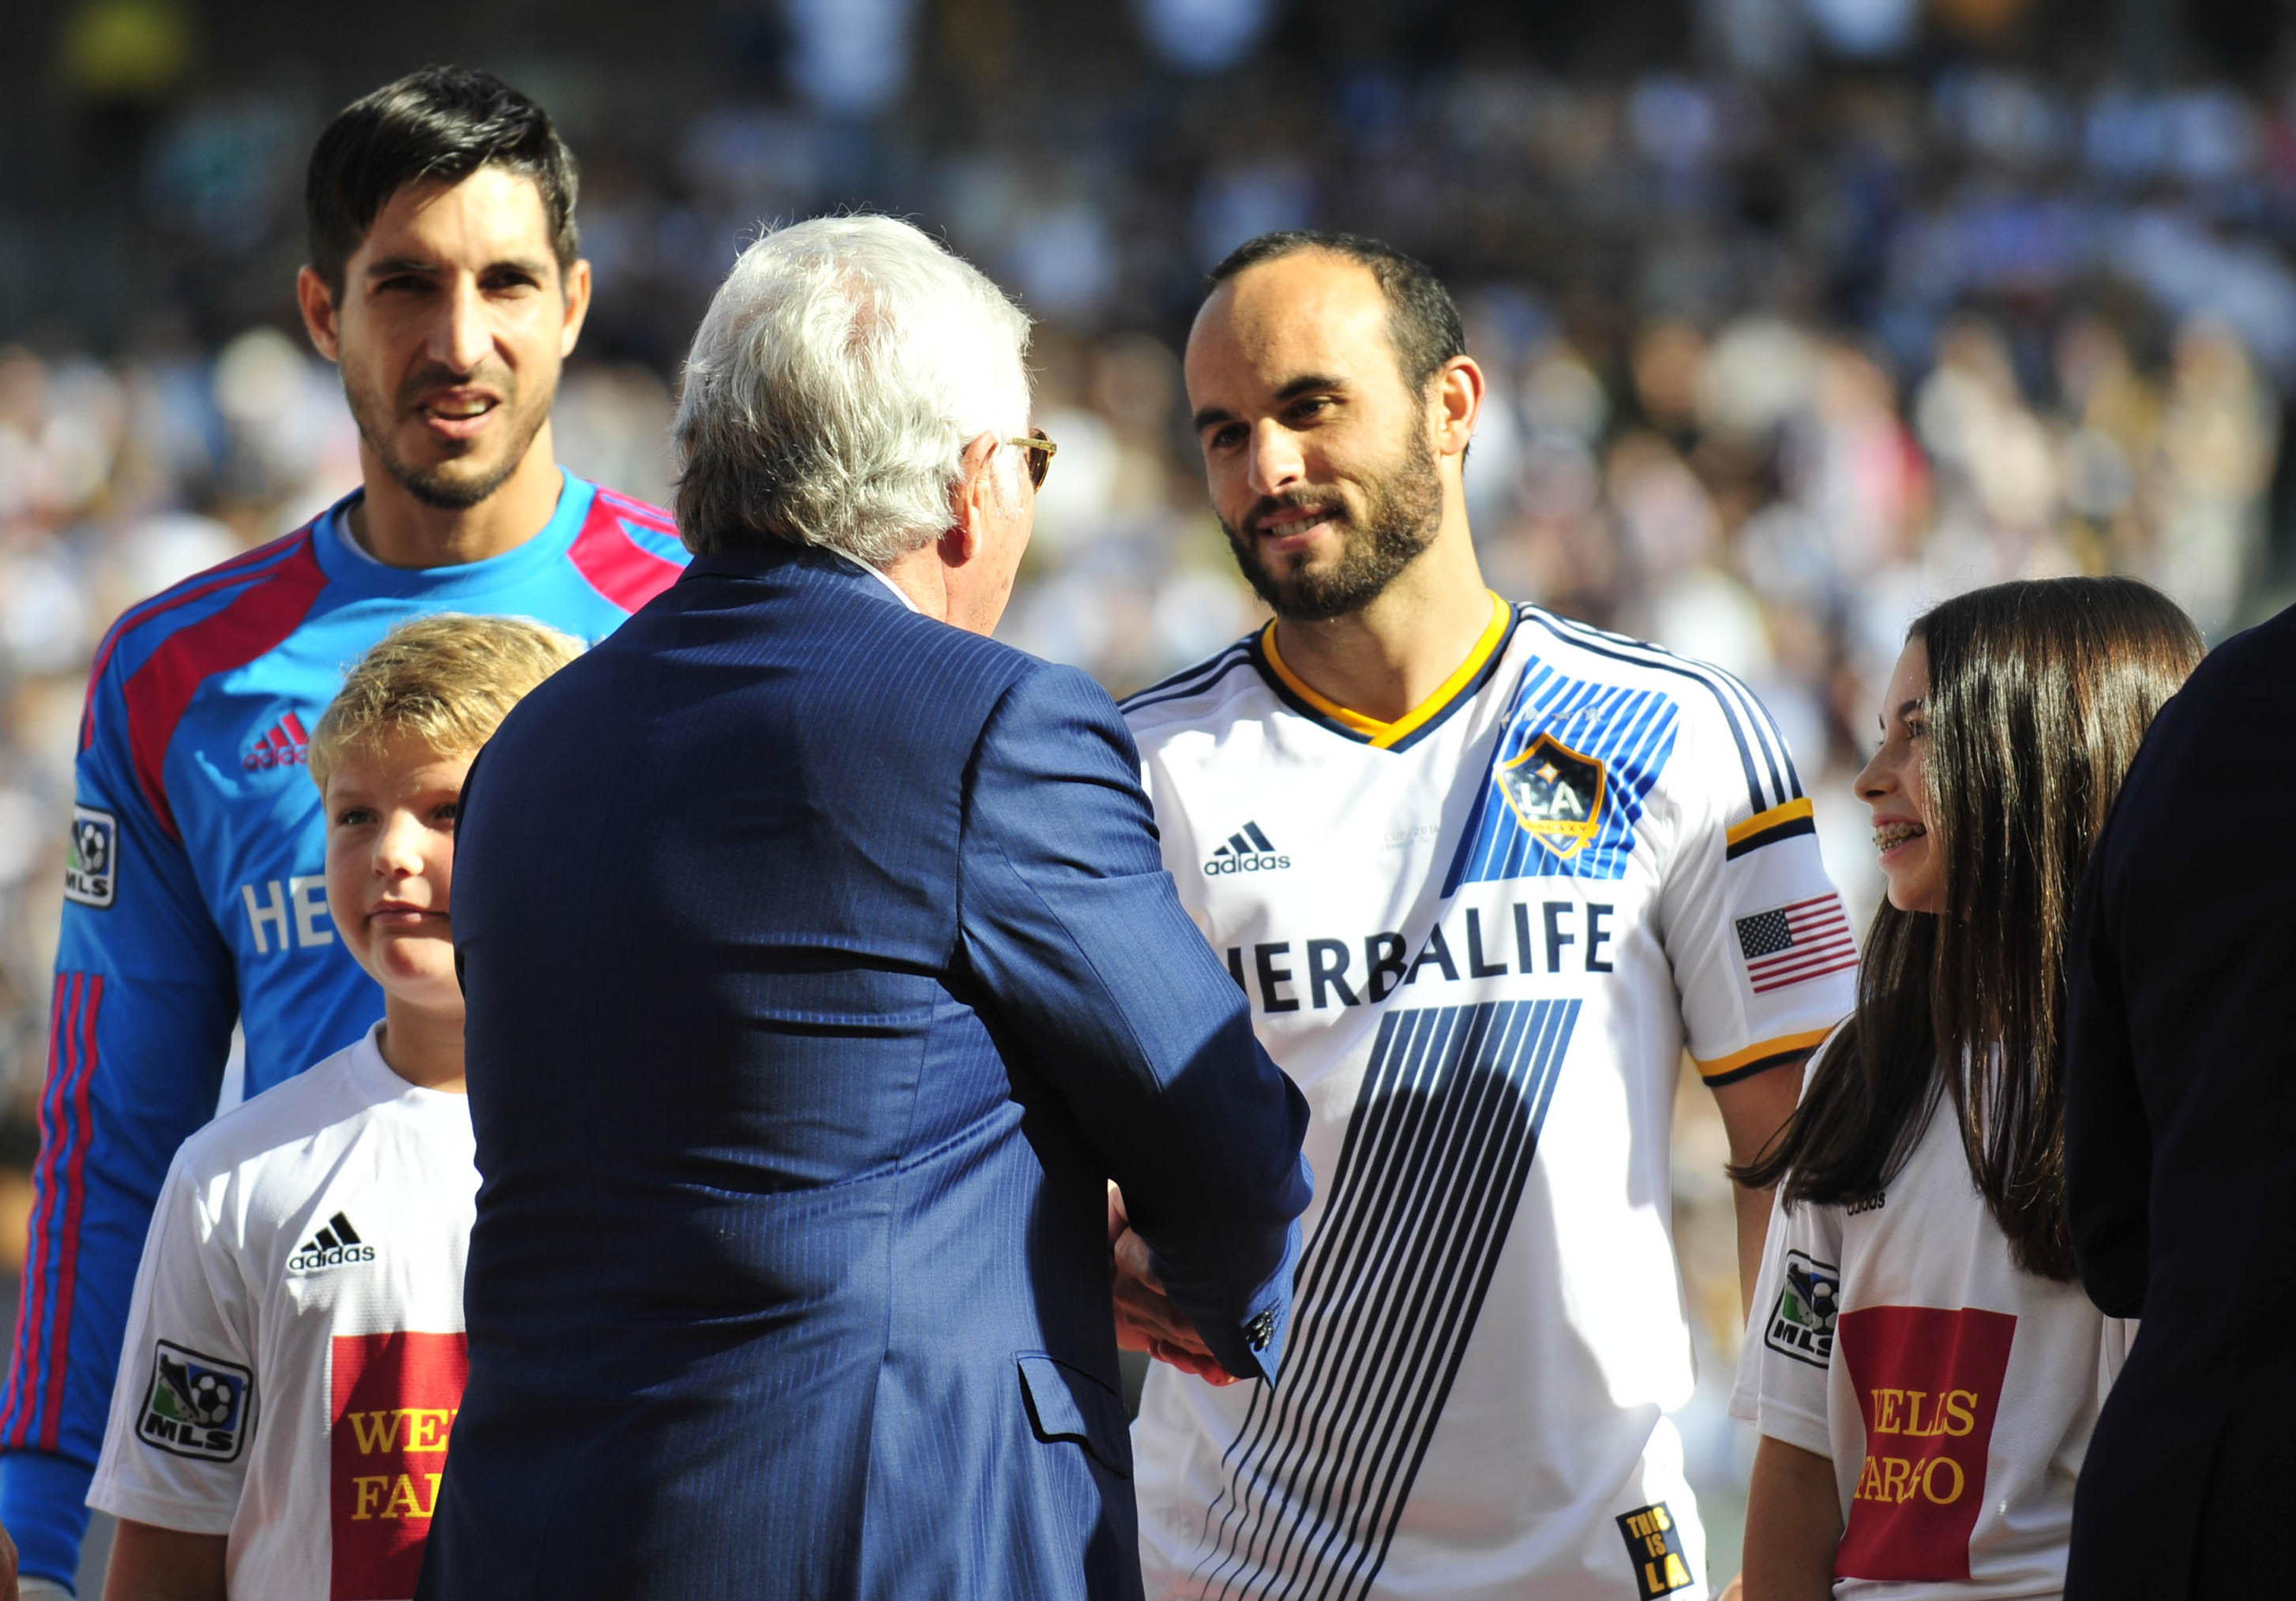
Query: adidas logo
x,y
1247,850
336,1245
286,745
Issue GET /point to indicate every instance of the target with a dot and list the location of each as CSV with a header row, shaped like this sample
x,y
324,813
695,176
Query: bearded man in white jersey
x,y
1484,875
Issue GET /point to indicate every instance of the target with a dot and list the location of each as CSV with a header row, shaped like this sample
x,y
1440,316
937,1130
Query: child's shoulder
x,y
291,1116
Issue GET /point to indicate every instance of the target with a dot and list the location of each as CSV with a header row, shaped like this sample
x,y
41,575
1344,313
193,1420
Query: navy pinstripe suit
x,y
821,965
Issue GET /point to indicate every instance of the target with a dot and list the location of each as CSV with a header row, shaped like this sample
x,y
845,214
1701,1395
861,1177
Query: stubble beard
x,y
438,486
1403,510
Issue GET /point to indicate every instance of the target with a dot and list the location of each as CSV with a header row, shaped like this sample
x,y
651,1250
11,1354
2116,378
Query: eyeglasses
x,y
1040,448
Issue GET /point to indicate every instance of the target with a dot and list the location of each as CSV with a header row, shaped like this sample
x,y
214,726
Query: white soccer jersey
x,y
295,1356
1954,1394
1479,939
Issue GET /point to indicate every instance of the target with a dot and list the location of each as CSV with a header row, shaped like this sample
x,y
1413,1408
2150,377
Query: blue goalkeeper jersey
x,y
195,897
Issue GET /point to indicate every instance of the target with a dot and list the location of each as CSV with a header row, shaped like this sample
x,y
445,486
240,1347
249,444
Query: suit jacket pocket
x,y
1068,1403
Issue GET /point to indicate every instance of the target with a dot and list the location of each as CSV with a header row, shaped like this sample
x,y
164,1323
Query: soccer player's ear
x,y
576,290
317,302
1457,401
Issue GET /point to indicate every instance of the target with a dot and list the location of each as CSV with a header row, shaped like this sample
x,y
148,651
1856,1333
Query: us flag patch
x,y
1805,939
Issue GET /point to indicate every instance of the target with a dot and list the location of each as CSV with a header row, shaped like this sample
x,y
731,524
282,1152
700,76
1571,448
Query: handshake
x,y
1146,1319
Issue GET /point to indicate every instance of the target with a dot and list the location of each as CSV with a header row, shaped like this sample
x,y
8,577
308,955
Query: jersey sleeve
x,y
142,1015
1763,954
185,1407
1786,1365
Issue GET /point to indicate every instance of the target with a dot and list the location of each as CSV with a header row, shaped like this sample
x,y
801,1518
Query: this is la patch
x,y
92,860
1655,1544
197,1405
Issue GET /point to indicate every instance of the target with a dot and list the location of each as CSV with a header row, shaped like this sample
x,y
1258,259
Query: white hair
x,y
843,368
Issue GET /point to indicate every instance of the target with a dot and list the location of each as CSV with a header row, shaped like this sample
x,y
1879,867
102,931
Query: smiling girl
x,y
1921,1368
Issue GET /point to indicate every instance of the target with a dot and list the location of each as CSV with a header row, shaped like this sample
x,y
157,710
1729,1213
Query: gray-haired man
x,y
822,970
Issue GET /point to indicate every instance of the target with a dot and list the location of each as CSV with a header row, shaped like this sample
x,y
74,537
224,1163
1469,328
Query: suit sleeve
x,y
141,1024
2107,1141
1069,920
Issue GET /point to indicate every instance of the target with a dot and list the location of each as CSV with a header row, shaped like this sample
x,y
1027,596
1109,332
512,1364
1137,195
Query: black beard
x,y
1402,512
433,485
435,490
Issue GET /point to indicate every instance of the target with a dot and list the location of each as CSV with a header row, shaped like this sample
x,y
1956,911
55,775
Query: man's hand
x,y
1146,1317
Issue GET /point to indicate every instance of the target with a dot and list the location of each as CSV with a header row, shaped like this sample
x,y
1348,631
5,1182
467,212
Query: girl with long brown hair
x,y
1921,1366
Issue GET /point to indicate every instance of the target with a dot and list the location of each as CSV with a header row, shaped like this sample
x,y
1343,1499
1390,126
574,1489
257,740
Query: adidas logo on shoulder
x,y
337,1245
285,745
1247,850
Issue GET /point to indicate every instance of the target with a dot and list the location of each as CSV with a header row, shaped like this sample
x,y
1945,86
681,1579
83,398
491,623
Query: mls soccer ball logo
x,y
197,1404
1555,792
91,866
210,1399
1801,1323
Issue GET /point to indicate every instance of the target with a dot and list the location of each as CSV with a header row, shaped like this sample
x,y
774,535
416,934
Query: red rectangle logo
x,y
395,1397
1929,1384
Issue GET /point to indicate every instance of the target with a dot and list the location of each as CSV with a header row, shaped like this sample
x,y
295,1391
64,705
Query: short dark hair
x,y
1422,320
439,122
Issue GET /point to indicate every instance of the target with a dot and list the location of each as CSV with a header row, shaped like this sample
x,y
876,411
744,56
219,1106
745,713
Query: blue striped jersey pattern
x,y
1630,732
1437,1149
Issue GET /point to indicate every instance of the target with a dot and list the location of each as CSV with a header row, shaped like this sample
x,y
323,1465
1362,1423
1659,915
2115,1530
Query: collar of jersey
x,y
354,570
379,1085
1450,695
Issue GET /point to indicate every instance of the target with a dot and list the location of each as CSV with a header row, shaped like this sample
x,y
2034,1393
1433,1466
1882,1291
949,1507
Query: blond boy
x,y
295,1355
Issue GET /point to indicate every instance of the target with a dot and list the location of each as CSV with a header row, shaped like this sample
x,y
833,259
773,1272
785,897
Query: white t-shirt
x,y
1479,939
295,1356
1953,1392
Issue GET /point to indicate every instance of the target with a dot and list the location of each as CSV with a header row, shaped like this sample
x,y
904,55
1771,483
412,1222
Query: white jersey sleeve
x,y
184,1406
1786,1365
1762,951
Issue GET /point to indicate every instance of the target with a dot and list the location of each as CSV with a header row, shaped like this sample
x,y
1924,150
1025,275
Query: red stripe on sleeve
x,y
83,1135
23,1376
160,691
639,510
198,586
615,564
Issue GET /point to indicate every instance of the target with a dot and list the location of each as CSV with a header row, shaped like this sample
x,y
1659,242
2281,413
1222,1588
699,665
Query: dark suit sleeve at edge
x,y
2108,1143
1069,922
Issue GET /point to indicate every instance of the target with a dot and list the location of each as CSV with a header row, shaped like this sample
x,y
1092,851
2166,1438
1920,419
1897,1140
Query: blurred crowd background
x,y
1799,314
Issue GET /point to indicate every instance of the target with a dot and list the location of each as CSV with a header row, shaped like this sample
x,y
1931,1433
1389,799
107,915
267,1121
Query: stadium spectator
x,y
1918,1352
1484,873
821,970
445,285
304,1271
